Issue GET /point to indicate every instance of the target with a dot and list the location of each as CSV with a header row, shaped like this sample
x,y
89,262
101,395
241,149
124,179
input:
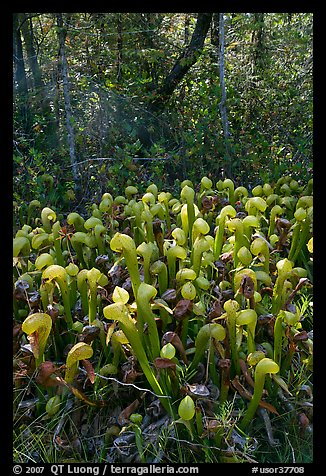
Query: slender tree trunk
x,y
20,74
215,30
148,22
119,64
186,41
67,102
214,52
258,42
222,104
27,31
42,101
56,98
257,62
187,59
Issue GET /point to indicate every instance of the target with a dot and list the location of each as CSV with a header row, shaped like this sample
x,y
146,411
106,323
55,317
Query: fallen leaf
x,y
216,310
247,287
123,417
89,369
207,203
211,427
198,390
89,334
301,336
81,396
183,309
47,375
248,396
130,376
169,296
247,376
303,420
164,363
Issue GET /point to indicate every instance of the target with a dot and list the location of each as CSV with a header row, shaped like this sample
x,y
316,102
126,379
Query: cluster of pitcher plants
x,y
190,298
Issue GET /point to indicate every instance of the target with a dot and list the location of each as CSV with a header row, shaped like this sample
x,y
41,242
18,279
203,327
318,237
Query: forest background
x,y
103,100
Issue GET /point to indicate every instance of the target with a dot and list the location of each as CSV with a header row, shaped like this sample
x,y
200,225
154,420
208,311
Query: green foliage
x,y
32,181
105,313
118,61
217,271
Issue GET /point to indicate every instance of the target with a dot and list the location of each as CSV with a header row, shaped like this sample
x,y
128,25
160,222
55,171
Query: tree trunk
x,y
257,63
119,63
27,31
258,42
182,94
185,61
20,75
188,58
42,101
67,102
222,105
215,30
